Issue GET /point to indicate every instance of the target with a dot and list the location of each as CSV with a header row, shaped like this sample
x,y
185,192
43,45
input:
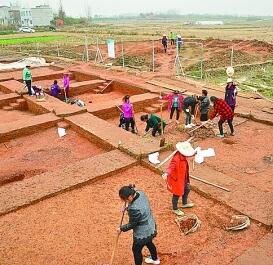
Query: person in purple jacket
x,y
66,84
55,90
128,112
231,93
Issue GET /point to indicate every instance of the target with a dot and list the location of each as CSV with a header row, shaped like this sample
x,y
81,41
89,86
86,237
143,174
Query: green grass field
x,y
27,40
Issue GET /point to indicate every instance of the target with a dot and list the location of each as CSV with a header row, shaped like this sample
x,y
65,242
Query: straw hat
x,y
185,149
229,80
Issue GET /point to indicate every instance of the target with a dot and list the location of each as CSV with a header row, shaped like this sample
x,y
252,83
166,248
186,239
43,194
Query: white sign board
x,y
111,48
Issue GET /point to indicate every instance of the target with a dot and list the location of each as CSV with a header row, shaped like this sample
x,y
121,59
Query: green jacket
x,y
27,74
154,122
172,36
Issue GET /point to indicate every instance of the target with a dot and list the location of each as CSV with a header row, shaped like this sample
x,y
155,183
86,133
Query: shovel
x,y
162,140
116,242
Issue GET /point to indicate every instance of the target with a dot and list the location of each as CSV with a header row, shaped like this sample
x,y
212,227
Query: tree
x,y
61,13
88,12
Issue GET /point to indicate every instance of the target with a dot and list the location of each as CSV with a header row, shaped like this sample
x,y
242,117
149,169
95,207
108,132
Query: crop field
x,y
252,42
29,40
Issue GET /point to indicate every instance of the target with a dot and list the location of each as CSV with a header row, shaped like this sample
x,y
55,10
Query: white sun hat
x,y
185,149
229,80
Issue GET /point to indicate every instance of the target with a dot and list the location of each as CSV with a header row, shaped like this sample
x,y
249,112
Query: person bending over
x,y
153,122
221,108
189,109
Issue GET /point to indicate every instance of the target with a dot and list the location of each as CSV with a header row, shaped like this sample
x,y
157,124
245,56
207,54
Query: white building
x,y
212,22
26,18
4,15
41,15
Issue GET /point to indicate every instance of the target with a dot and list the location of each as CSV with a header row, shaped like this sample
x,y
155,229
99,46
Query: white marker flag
x,y
111,48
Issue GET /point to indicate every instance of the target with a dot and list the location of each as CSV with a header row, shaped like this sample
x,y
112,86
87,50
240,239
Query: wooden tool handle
x,y
117,237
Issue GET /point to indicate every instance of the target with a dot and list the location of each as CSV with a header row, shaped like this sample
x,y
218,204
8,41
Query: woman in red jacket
x,y
178,178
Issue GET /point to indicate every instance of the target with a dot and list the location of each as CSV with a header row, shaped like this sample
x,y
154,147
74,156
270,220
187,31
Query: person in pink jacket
x,y
66,84
175,104
128,113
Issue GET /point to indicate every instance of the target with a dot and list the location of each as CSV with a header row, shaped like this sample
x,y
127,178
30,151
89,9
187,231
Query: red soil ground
x,y
35,71
14,115
47,83
79,227
257,50
242,156
43,151
91,98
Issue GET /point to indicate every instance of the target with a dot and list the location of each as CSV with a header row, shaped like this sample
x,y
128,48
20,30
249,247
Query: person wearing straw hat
x,y
178,177
231,93
164,42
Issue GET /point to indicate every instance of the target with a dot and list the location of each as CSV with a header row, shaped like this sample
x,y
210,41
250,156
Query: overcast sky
x,y
114,7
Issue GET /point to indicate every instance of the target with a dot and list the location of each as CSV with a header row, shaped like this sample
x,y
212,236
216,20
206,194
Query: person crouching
x,y
142,222
55,91
178,177
154,123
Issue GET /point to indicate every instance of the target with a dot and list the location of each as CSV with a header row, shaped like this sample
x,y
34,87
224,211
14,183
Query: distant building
x,y
212,22
4,15
42,15
15,16
26,18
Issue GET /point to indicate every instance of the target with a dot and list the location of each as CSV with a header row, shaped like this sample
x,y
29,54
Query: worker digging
x,y
153,127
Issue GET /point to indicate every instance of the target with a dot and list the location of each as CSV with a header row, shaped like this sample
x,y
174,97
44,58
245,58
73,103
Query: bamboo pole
x,y
210,183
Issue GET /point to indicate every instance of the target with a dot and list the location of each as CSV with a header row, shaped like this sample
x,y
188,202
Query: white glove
x,y
192,116
164,176
187,110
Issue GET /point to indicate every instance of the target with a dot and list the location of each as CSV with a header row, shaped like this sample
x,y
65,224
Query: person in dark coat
x,y
178,178
221,108
189,109
154,123
142,222
164,42
231,93
204,105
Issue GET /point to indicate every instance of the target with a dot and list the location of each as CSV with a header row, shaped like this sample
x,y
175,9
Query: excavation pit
x,y
71,219
43,151
242,156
